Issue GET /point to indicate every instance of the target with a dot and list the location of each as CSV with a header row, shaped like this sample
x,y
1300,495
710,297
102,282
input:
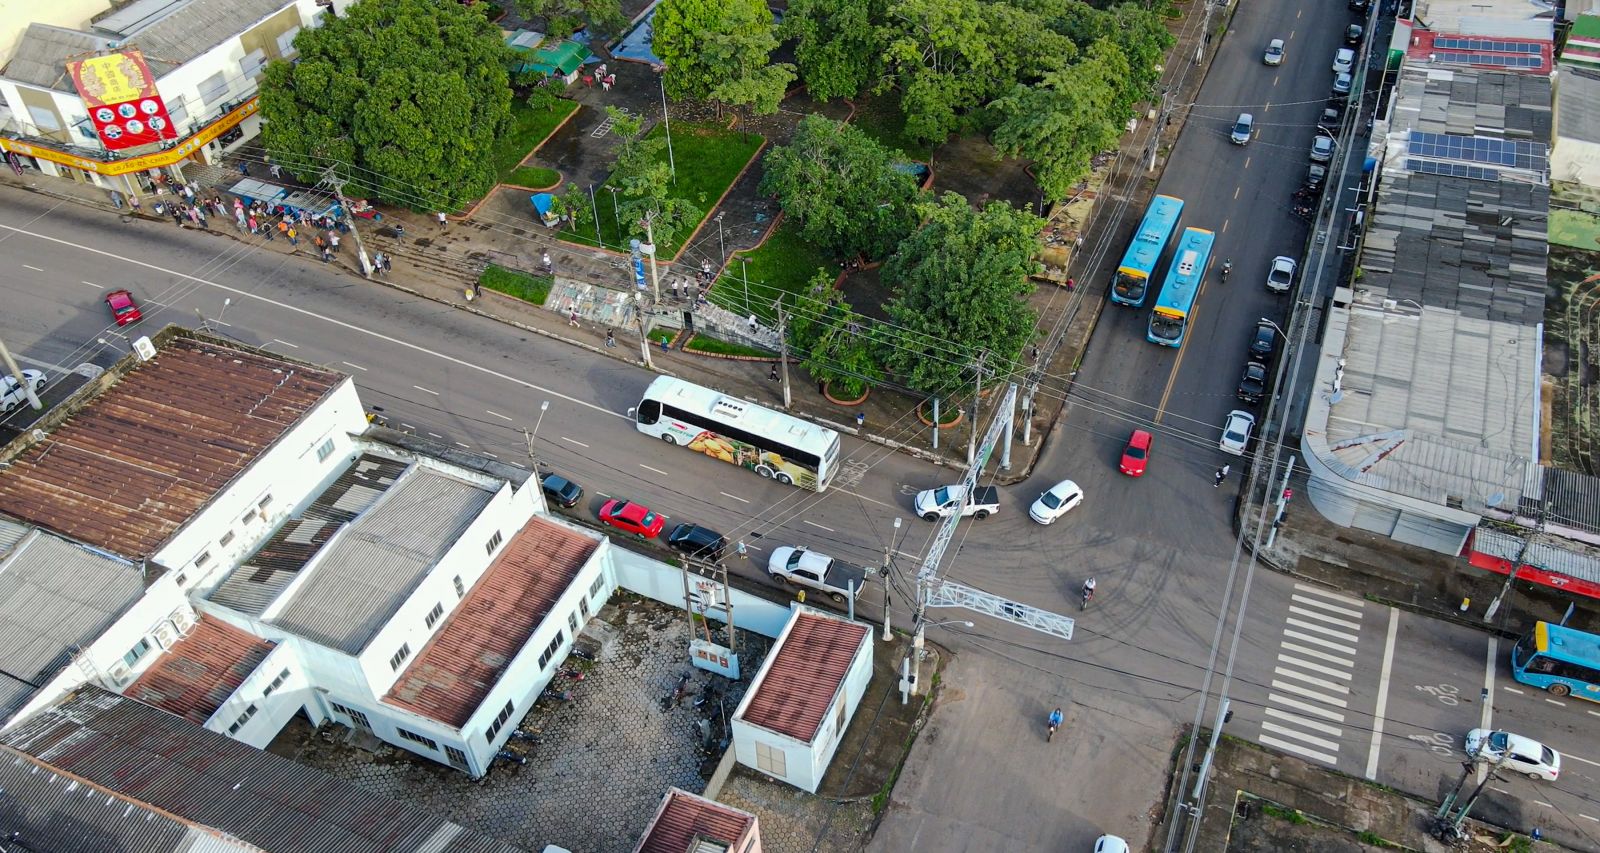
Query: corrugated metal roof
x,y
194,677
805,672
136,462
1574,561
362,577
685,818
461,664
259,580
52,811
1571,499
161,760
1578,105
56,597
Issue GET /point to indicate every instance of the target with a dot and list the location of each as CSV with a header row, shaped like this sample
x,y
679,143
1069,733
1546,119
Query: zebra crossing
x,y
1310,683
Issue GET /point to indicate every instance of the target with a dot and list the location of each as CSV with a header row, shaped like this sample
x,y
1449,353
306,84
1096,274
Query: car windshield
x,y
1135,452
1050,500
942,496
794,558
1241,127
1497,741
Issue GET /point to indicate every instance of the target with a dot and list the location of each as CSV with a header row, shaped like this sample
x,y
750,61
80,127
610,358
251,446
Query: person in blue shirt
x,y
1055,723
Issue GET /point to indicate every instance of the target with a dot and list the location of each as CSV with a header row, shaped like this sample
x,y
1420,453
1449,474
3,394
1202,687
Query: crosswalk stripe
x,y
1312,614
1311,626
1309,694
1311,679
1327,593
1327,644
1315,667
1312,602
1297,750
1332,745
1307,707
1302,650
1302,721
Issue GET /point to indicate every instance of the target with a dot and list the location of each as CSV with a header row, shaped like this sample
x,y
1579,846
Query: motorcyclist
x,y
1227,267
1055,722
1088,588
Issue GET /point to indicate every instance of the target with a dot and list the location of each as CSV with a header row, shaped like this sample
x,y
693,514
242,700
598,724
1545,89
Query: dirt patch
x,y
969,165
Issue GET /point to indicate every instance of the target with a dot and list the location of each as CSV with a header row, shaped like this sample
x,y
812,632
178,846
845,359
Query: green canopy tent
x,y
562,59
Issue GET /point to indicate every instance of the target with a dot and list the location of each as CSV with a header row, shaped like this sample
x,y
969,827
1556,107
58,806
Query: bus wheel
x,y
783,478
667,437
764,471
1559,689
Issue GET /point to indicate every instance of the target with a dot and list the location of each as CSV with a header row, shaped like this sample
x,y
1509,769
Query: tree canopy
x,y
643,177
842,188
960,282
1063,122
719,50
838,44
404,98
565,17
836,344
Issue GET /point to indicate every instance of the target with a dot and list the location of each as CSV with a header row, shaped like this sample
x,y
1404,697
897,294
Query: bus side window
x,y
649,411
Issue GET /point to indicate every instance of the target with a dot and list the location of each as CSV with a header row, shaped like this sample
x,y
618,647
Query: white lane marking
x,y
488,454
1315,667
426,390
404,425
820,527
1492,651
434,435
352,364
1383,694
95,286
1299,735
1584,760
30,267
285,343
302,311
1349,650
581,444
735,497
1518,691
1586,817
1302,721
1307,707
1303,650
1309,626
498,415
1323,617
1309,694
463,444
1298,750
1325,593
1556,702
1332,608
1543,803
518,464
1596,713
1311,679
657,470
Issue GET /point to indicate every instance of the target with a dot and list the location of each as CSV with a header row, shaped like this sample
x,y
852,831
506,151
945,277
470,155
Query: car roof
x,y
1140,438
631,511
1065,487
1283,259
1275,43
1246,117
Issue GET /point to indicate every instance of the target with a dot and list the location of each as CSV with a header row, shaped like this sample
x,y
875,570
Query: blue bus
x,y
1132,282
1189,262
1563,661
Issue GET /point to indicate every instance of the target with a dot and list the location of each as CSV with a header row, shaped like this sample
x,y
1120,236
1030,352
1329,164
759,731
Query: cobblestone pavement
x,y
795,822
608,757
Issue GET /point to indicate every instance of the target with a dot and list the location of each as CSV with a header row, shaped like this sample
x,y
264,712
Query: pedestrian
x,y
294,237
444,221
326,255
611,338
133,202
572,317
388,263
545,260
666,345
333,240
255,225
377,263
1222,474
244,168
1071,284
399,232
772,375
276,170
321,244
674,290
177,215
861,419
743,555
752,322
1035,355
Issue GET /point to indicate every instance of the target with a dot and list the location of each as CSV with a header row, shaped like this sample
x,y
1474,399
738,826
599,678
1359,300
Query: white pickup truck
x,y
941,502
799,566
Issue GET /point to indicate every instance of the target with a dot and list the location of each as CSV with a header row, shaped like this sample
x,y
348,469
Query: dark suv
x,y
1264,341
699,542
1253,384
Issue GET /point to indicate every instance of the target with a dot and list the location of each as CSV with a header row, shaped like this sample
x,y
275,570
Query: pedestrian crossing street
x,y
1310,684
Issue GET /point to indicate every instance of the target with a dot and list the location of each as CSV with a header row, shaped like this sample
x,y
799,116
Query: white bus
x,y
772,444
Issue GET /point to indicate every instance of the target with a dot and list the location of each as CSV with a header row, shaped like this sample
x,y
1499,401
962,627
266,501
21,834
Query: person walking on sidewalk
x,y
388,264
861,419
545,261
611,338
377,262
276,170
772,375
572,317
444,221
399,233
1222,474
752,322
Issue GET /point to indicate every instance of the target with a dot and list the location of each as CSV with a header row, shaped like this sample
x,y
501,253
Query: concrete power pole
x,y
649,248
783,356
977,394
1511,576
333,180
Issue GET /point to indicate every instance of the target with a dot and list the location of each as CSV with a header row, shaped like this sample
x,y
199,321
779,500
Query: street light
x,y
1275,328
965,623
533,456
888,554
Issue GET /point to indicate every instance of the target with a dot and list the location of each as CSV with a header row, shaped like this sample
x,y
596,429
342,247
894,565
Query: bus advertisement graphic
x,y
752,458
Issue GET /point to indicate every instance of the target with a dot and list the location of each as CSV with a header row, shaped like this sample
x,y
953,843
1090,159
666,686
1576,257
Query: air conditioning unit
x,y
166,635
119,674
184,619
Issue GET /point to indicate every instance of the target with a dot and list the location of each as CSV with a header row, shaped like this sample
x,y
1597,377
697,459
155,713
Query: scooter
x,y
508,755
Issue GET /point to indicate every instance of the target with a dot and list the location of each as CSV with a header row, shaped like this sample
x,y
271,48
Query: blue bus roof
x,y
1569,643
1154,230
1188,267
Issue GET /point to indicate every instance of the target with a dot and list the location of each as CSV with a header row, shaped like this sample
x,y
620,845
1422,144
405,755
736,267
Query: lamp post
x,y
888,555
666,121
533,455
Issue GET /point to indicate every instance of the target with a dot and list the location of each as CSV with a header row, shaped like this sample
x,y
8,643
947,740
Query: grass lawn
x,y
881,119
660,334
528,288
533,177
708,158
529,127
782,266
715,346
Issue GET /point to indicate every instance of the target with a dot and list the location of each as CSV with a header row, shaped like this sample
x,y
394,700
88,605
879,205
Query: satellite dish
x,y
1496,499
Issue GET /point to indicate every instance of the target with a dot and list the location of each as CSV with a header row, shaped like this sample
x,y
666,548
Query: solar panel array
x,y
1451,42
1516,154
1499,60
1454,170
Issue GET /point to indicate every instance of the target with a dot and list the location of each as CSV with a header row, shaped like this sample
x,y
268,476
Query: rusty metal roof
x,y
194,677
684,820
207,778
139,460
457,668
806,671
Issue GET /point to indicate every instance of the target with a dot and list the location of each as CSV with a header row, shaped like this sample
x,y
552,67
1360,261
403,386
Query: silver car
x,y
1274,54
1281,276
1242,128
1344,60
1322,149
1341,83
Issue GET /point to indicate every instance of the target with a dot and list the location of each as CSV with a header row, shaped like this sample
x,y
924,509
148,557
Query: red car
x,y
634,518
1136,454
123,309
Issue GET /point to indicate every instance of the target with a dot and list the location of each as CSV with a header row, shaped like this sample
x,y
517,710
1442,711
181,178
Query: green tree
x,y
565,17
404,98
838,44
1144,39
643,177
1070,116
836,344
841,187
720,50
960,282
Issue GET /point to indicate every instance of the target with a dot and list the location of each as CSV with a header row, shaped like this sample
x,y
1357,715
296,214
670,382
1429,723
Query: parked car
x,y
561,491
1341,84
1137,454
1344,60
1358,5
632,518
941,502
1280,275
799,566
1523,755
1236,431
696,541
1056,501
14,393
1322,148
1242,128
1330,119
1263,340
1353,35
1110,844
124,309
1274,54
1316,176
1253,384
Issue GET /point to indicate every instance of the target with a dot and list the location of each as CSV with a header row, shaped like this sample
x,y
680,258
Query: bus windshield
x,y
1563,661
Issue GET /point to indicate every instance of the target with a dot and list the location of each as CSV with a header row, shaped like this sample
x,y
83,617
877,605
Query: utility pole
x,y
1511,576
33,399
977,392
783,355
1447,827
888,556
649,248
332,179
644,339
1161,121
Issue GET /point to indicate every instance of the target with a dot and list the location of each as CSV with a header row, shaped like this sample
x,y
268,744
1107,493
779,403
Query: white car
x,y
14,394
1236,431
1242,129
1522,755
1110,844
1274,54
1057,501
1322,149
1281,276
1344,60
